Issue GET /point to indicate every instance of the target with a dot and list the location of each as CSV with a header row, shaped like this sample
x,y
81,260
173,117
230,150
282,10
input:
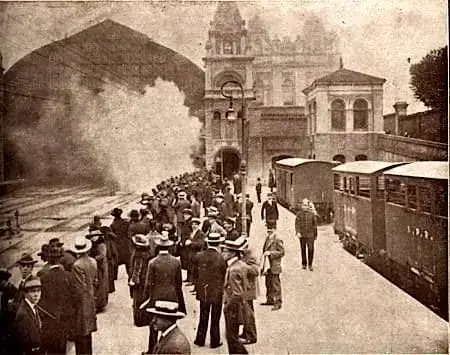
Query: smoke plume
x,y
112,136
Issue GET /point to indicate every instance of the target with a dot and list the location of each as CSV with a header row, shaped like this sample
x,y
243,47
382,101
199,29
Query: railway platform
x,y
342,306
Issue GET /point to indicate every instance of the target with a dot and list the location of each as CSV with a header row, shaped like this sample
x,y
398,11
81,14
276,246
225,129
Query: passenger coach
x,y
299,178
359,206
416,230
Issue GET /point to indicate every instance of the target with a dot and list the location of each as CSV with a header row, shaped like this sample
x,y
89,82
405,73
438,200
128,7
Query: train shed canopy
x,y
422,169
365,166
294,162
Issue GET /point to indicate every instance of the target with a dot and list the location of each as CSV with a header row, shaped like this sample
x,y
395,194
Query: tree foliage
x,y
429,79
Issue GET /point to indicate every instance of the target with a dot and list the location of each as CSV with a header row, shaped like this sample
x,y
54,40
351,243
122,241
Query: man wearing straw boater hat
x,y
236,286
163,282
164,320
273,252
26,265
85,272
27,324
209,268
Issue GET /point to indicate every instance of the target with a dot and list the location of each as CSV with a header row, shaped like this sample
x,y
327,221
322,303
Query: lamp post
x,y
232,116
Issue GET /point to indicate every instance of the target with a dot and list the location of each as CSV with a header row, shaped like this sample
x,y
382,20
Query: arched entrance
x,y
227,162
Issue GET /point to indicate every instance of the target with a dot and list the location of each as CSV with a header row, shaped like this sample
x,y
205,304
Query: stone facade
x,y
273,74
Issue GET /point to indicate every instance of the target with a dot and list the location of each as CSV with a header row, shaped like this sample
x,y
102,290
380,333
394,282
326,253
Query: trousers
x,y
231,313
83,345
207,308
307,244
249,331
273,288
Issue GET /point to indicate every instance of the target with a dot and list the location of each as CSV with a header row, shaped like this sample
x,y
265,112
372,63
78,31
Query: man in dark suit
x,y
56,300
26,265
7,294
306,231
269,212
163,282
172,340
209,272
273,252
27,324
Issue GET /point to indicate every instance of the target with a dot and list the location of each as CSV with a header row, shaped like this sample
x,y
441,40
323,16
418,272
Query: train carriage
x,y
416,207
299,178
359,207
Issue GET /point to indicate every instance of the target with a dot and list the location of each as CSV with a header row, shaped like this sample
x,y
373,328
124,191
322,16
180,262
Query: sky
x,y
376,36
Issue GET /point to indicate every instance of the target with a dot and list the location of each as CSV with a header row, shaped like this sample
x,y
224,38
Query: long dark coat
x,y
163,281
99,253
85,271
26,330
209,268
58,300
120,228
183,250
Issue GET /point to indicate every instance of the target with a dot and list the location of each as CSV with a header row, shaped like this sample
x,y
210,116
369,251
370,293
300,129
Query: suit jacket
x,y
209,272
26,330
163,281
85,271
252,276
269,210
306,224
173,343
276,248
236,288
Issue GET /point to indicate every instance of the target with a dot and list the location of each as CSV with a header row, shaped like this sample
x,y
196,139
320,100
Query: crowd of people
x,y
191,222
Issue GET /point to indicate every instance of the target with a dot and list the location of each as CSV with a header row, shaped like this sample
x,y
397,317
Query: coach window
x,y
338,115
292,178
345,184
380,187
360,115
338,182
425,199
363,186
395,192
411,196
351,181
441,196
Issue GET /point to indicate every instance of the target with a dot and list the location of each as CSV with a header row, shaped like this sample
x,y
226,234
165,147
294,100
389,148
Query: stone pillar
x,y
400,112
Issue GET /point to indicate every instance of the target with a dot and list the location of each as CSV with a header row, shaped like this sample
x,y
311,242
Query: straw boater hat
x,y
196,220
32,282
212,211
94,233
239,244
219,194
166,309
230,220
164,240
214,238
188,211
81,245
182,194
140,240
26,259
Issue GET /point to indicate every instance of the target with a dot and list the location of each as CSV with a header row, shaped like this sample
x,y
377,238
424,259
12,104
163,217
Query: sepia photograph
x,y
224,177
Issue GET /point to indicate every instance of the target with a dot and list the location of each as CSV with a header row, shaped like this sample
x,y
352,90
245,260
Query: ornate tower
x,y
227,59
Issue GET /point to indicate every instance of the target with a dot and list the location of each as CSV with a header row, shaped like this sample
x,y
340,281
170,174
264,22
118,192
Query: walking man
x,y
273,252
306,231
209,268
258,189
269,212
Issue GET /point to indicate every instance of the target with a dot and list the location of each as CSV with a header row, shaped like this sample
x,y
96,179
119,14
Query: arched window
x,y
360,114
338,115
339,157
259,91
360,157
215,125
288,89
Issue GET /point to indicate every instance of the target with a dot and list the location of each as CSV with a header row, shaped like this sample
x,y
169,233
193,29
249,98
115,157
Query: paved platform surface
x,y
342,306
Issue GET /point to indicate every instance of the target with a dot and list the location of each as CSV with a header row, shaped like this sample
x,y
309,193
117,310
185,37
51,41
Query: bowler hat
x,y
164,240
26,259
44,250
166,309
196,220
55,242
32,282
55,252
134,213
214,238
117,212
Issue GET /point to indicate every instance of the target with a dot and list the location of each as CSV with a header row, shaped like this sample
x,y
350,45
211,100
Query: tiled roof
x,y
346,76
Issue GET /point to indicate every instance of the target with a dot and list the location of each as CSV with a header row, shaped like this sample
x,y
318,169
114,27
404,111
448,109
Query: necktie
x,y
38,318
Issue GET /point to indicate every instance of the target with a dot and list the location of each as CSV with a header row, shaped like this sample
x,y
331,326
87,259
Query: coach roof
x,y
422,169
293,162
365,166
